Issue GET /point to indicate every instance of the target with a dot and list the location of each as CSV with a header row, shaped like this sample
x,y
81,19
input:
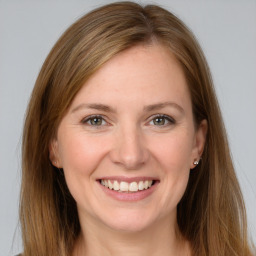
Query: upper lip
x,y
128,179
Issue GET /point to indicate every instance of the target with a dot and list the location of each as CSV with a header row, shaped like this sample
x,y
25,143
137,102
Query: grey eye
x,y
96,121
159,121
162,120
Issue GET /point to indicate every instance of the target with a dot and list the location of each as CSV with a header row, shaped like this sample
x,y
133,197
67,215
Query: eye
x,y
162,120
94,121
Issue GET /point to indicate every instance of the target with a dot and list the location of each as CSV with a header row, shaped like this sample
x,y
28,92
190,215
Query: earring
x,y
196,162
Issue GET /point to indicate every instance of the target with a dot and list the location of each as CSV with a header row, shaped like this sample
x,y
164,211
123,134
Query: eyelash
x,y
167,118
90,119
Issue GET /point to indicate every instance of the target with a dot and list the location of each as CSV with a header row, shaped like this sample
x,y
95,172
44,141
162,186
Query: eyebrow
x,y
97,106
106,108
162,105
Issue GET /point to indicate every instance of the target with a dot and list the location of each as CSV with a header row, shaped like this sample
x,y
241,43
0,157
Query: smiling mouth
x,y
127,187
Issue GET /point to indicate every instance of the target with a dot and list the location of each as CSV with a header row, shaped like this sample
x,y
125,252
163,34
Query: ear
x,y
54,153
199,143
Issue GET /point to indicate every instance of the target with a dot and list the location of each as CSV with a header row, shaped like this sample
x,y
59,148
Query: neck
x,y
162,238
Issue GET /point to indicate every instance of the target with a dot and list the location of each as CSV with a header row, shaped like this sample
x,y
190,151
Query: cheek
x,y
174,152
80,153
80,156
173,155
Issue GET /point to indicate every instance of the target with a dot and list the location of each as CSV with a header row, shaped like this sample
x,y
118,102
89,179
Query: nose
x,y
129,149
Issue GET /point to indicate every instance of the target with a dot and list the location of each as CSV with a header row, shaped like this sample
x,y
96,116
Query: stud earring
x,y
196,162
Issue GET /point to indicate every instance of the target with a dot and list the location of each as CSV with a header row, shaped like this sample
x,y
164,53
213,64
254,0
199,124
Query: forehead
x,y
141,74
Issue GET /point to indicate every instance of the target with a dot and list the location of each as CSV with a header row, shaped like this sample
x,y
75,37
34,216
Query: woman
x,y
124,149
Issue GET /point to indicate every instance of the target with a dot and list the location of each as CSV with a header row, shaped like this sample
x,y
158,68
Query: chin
x,y
130,222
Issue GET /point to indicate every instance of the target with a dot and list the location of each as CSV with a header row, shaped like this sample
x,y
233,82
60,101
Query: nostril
x,y
129,151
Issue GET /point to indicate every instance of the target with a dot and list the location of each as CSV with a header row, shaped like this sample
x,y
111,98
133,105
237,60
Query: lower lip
x,y
132,196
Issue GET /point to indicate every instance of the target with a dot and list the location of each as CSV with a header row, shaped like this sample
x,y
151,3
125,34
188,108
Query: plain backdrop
x,y
226,31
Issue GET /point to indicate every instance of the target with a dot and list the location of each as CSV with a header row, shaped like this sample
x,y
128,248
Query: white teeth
x,y
133,186
110,185
116,185
124,186
127,187
141,185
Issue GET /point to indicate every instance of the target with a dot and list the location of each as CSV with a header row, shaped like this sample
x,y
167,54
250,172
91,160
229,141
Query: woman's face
x,y
128,141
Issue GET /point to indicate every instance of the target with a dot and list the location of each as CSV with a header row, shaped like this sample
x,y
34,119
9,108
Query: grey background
x,y
226,30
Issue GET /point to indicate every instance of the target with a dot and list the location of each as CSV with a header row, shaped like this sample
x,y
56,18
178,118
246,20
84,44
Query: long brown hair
x,y
211,214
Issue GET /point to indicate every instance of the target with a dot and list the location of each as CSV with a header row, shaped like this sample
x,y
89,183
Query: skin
x,y
130,142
